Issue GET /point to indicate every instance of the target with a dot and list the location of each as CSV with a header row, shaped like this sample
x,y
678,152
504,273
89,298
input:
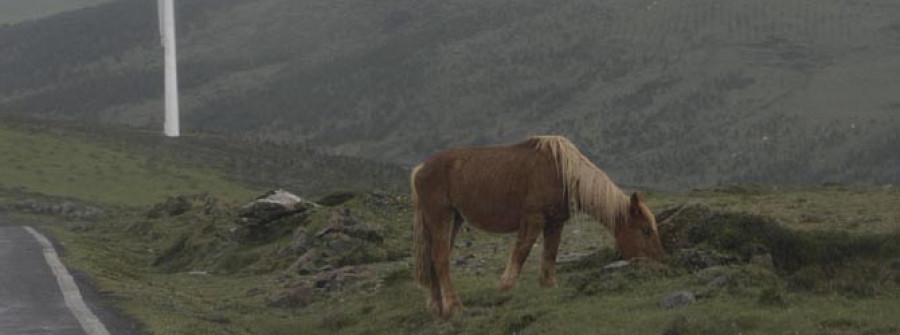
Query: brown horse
x,y
530,188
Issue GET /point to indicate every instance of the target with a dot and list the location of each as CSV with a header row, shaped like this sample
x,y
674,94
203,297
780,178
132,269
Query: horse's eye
x,y
647,231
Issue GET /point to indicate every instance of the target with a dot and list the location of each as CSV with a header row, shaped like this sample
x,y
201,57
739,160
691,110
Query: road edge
x,y
70,290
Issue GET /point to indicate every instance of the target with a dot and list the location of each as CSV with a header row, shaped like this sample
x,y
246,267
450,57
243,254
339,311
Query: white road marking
x,y
89,322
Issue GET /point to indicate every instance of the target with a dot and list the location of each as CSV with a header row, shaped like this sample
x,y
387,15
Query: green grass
x,y
853,209
757,300
71,167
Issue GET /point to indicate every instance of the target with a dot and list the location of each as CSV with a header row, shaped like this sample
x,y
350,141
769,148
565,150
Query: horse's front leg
x,y
529,229
552,235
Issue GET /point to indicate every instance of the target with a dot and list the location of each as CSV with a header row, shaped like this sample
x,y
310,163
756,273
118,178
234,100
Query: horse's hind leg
x,y
552,235
442,230
529,229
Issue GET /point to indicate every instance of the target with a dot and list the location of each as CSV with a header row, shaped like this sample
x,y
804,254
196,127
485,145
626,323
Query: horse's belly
x,y
496,223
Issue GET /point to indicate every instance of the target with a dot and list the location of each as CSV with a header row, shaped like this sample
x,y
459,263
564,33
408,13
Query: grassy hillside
x,y
115,166
187,275
672,94
70,167
15,11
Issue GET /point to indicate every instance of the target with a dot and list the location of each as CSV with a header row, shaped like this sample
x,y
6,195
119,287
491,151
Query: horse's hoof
x,y
435,308
452,310
548,284
506,286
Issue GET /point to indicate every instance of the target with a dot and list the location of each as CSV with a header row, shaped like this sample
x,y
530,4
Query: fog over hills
x,y
664,94
16,11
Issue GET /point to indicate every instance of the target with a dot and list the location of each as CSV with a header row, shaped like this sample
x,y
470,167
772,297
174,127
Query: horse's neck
x,y
607,204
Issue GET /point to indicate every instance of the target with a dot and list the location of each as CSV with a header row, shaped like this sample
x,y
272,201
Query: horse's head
x,y
638,236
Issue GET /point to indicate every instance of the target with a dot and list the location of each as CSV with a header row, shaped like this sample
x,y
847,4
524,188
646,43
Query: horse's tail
x,y
422,251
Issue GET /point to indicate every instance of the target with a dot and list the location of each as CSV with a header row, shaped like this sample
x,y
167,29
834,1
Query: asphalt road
x,y
32,298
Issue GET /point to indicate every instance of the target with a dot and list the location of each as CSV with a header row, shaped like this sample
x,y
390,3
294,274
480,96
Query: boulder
x,y
271,206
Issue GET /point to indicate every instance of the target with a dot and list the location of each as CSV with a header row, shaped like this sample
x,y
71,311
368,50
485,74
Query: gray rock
x,y
271,206
677,299
255,217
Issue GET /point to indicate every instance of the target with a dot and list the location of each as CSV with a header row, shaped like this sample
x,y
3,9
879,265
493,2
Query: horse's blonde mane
x,y
589,189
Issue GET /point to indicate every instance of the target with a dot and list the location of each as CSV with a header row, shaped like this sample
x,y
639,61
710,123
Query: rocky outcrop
x,y
255,219
271,206
344,240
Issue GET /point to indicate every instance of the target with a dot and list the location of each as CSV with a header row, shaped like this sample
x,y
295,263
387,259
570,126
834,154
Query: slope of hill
x,y
15,11
114,166
668,94
828,266
63,166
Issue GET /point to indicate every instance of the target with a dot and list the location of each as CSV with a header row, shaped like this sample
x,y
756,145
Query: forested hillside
x,y
667,94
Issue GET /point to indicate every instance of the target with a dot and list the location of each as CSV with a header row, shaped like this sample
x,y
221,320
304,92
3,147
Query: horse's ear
x,y
636,198
635,204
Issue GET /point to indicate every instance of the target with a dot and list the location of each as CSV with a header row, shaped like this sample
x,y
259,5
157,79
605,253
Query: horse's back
x,y
493,186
